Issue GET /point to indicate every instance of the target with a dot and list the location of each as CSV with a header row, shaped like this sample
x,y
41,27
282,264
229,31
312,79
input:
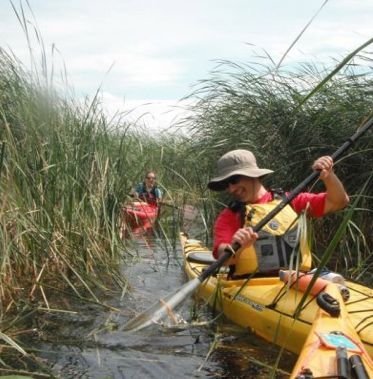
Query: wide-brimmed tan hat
x,y
236,162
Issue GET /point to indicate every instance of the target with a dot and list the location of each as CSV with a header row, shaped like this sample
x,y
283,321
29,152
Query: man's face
x,y
150,179
242,188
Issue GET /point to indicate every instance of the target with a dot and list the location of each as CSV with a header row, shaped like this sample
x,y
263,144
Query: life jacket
x,y
148,196
278,243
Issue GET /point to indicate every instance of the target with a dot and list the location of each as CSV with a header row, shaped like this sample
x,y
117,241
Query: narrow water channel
x,y
90,345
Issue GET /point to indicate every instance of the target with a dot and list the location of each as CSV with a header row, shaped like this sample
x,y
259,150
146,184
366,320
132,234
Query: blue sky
x,y
157,50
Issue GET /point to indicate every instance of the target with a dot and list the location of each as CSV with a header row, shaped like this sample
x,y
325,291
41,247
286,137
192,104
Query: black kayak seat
x,y
203,256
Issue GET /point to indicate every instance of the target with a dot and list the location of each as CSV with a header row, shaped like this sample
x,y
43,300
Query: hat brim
x,y
218,183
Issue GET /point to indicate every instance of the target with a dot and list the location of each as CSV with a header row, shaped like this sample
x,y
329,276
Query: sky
x,y
151,54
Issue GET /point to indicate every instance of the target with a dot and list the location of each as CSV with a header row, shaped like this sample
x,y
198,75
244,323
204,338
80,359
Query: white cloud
x,y
155,115
133,68
158,49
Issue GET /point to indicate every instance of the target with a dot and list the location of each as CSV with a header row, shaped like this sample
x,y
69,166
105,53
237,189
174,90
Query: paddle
x,y
165,306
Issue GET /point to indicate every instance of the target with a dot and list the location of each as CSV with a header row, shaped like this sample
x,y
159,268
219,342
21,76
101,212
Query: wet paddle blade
x,y
162,307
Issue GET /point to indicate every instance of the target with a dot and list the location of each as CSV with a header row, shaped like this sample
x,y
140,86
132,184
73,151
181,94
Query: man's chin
x,y
239,198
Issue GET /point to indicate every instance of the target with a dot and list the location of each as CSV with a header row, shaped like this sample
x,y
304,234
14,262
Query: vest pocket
x,y
275,252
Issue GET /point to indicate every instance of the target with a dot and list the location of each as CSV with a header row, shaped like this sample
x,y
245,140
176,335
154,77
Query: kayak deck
x,y
267,306
333,346
138,216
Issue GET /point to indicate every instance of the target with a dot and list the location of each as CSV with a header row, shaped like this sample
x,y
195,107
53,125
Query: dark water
x,y
90,345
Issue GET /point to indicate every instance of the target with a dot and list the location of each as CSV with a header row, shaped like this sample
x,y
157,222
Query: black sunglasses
x,y
232,180
151,177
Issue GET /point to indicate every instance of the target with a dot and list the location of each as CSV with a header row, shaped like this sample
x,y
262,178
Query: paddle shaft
x,y
288,198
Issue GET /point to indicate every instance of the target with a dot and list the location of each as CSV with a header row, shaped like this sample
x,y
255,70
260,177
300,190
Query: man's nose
x,y
231,187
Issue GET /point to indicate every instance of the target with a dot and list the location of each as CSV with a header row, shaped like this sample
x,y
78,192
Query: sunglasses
x,y
232,180
151,177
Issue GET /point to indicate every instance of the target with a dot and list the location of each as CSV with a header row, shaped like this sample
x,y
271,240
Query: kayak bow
x,y
333,348
138,215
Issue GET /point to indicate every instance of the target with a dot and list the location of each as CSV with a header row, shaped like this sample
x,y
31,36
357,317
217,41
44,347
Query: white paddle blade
x,y
162,308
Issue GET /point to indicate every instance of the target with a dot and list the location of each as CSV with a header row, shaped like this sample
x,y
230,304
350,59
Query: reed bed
x,y
65,172
56,203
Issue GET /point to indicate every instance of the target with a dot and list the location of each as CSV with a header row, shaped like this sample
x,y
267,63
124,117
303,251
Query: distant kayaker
x,y
274,246
148,190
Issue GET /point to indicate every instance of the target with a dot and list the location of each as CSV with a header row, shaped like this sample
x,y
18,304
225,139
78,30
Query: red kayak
x,y
138,216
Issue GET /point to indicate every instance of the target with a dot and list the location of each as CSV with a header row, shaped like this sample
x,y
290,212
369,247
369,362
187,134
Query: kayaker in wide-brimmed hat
x,y
238,174
233,165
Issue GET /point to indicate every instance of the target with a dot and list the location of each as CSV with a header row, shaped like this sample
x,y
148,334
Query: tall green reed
x,y
65,172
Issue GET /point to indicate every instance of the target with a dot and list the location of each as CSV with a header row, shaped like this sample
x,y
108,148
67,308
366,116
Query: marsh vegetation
x,y
66,169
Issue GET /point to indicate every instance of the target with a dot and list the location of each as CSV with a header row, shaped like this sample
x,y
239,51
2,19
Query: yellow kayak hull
x,y
266,306
320,354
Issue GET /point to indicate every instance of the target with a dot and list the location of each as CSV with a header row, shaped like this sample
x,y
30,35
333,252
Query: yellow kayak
x,y
333,348
268,305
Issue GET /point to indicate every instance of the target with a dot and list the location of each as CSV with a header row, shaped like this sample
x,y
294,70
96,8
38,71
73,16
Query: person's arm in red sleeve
x,y
320,204
336,196
313,202
225,226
